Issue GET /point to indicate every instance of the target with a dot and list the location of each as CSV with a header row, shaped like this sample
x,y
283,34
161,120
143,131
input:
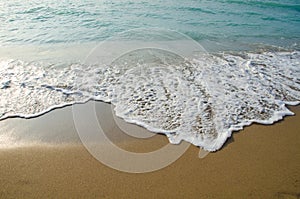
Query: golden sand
x,y
257,162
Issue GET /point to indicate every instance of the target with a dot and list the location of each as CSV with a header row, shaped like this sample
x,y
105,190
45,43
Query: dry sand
x,y
258,162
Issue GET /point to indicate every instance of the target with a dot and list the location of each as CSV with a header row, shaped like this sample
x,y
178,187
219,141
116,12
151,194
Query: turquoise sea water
x,y
193,70
78,21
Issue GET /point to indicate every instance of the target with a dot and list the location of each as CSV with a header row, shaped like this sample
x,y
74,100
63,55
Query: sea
x,y
194,70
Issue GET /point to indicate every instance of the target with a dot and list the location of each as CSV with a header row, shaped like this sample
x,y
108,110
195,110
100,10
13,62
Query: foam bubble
x,y
201,100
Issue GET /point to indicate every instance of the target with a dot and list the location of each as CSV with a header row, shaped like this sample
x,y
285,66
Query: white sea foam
x,y
200,100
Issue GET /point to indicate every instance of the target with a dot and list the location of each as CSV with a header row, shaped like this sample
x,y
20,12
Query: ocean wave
x,y
201,100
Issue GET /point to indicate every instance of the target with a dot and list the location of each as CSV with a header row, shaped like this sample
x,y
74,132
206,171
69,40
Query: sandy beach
x,y
82,84
257,162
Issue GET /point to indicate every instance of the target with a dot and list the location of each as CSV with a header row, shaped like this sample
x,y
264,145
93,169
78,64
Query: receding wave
x,y
200,100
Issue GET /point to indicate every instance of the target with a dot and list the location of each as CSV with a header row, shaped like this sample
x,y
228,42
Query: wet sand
x,y
257,162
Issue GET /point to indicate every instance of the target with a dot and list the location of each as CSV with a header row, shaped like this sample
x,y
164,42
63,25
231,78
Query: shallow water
x,y
36,22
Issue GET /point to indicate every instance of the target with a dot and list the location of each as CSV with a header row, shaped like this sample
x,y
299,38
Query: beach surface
x,y
261,161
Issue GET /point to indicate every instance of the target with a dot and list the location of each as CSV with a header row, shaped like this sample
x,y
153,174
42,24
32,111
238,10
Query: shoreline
x,y
260,161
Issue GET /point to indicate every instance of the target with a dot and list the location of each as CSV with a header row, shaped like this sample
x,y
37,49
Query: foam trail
x,y
200,100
